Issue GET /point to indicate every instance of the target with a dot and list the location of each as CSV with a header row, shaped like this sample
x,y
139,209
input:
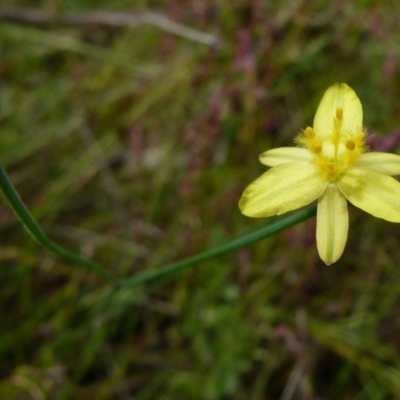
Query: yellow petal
x,y
385,163
281,189
332,224
338,95
373,192
282,155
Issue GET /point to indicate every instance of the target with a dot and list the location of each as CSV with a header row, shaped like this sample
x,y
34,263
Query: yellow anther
x,y
350,144
330,165
316,148
309,133
339,113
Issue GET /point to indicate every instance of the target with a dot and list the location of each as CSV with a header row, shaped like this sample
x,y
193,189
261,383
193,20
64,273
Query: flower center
x,y
336,151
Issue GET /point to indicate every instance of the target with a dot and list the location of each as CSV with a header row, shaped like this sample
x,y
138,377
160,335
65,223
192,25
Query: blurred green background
x,y
131,135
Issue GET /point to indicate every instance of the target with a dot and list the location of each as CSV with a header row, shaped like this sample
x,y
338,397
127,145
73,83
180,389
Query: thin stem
x,y
34,229
235,244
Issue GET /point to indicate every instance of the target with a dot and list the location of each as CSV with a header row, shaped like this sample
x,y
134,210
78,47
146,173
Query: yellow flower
x,y
330,165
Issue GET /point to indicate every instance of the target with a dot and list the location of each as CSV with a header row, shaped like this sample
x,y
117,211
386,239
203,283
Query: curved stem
x,y
34,229
245,240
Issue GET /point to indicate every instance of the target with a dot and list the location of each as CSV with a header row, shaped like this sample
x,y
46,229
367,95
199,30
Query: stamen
x,y
339,113
316,148
309,132
350,144
336,151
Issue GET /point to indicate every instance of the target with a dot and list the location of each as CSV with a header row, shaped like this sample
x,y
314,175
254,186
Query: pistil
x,y
334,152
337,124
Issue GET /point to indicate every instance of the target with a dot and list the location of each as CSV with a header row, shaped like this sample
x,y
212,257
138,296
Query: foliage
x,y
132,146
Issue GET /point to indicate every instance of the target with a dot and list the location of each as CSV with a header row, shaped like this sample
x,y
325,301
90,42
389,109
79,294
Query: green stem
x,y
34,229
235,244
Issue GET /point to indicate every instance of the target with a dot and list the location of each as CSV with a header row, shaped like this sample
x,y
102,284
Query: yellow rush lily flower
x,y
330,165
